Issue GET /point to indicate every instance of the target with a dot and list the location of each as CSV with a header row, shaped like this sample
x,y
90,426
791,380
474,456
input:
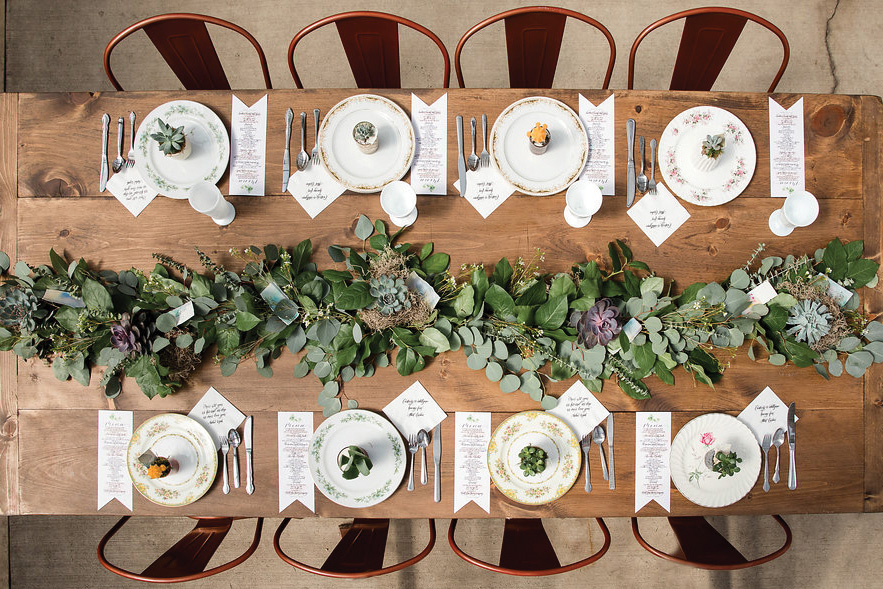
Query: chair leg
x,y
700,542
193,552
361,549
526,546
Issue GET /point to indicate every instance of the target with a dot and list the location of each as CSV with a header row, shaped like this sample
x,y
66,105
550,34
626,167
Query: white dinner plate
x,y
679,150
349,165
207,136
564,159
689,470
377,437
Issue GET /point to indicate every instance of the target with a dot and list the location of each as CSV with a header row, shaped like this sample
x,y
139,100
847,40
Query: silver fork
x,y
485,156
652,185
225,447
315,159
412,448
130,160
586,445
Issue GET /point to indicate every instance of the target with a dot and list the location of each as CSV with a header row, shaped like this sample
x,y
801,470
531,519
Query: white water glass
x,y
206,198
800,210
583,199
399,200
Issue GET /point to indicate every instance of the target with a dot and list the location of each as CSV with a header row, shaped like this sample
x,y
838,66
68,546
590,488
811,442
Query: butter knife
x,y
630,168
102,182
612,479
249,467
792,443
461,162
286,157
436,457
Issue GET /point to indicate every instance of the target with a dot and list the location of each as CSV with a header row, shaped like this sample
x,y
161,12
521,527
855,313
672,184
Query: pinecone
x,y
598,325
133,334
18,308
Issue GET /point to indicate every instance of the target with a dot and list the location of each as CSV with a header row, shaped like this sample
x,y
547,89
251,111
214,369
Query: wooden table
x,y
49,153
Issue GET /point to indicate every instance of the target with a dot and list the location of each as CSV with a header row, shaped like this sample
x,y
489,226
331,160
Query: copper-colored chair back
x,y
706,43
184,42
371,42
533,42
186,560
359,554
703,547
527,551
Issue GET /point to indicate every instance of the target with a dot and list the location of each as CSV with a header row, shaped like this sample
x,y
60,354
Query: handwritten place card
x,y
423,288
295,481
658,215
131,190
765,414
652,455
486,189
61,297
183,313
430,168
414,409
600,166
632,328
217,415
314,189
787,164
472,480
248,147
580,410
114,433
837,292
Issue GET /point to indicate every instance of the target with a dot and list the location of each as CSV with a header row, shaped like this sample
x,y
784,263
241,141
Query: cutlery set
x,y
472,162
119,162
598,436
304,159
233,440
420,441
777,439
639,183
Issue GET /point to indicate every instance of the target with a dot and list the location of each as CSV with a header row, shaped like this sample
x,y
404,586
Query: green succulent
x,y
390,295
353,461
809,321
533,460
19,308
726,464
171,139
364,131
713,146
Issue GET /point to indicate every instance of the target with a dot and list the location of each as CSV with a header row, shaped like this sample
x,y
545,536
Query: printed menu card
x,y
652,454
295,481
486,189
472,480
765,414
658,215
429,170
786,149
314,189
414,409
580,410
217,415
114,433
248,147
131,190
600,166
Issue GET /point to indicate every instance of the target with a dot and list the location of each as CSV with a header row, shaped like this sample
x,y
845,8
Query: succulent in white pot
x,y
365,136
710,151
172,141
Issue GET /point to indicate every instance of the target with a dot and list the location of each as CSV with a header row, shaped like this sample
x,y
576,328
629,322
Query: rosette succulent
x,y
19,308
598,325
713,146
809,320
133,335
390,295
171,139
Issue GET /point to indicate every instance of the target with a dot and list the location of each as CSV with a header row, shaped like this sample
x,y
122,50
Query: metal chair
x,y
527,551
371,42
706,43
703,547
184,42
186,560
533,42
359,554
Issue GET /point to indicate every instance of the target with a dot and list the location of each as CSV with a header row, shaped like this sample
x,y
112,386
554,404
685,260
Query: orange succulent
x,y
538,133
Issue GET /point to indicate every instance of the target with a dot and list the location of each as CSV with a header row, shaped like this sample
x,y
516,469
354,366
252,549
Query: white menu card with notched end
x,y
295,481
472,480
601,164
131,190
114,433
248,147
486,189
217,415
413,410
580,410
765,414
429,168
652,459
787,158
658,215
314,189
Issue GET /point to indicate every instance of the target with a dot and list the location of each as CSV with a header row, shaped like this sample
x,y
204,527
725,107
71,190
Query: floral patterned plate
x,y
179,438
680,146
543,430
377,437
208,157
689,460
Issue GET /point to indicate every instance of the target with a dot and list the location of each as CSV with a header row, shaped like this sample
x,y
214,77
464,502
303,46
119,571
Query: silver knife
x,y
612,479
102,183
792,442
249,467
286,157
461,162
436,457
630,169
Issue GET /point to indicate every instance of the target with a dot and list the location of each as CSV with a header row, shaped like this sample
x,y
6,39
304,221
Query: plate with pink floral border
x,y
707,156
693,461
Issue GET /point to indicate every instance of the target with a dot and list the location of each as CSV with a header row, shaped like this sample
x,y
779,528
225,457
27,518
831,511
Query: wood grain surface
x,y
59,206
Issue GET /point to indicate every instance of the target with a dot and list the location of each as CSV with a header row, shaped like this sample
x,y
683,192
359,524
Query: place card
x,y
765,414
183,313
314,189
472,480
430,168
114,433
295,481
486,189
632,328
658,215
61,297
131,190
601,164
274,297
248,147
760,295
839,293
787,172
424,289
652,455
217,415
414,409
580,410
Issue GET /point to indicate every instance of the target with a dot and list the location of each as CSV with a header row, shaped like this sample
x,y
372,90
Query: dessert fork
x,y
225,447
315,159
130,160
652,185
485,156
642,177
586,444
412,448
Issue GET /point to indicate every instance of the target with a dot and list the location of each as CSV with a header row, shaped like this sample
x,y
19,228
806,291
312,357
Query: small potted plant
x,y
365,136
538,139
172,141
533,460
710,151
353,461
161,467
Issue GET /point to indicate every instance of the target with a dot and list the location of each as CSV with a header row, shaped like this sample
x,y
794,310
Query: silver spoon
x,y
119,161
778,440
598,436
472,160
642,177
303,158
233,437
422,442
765,446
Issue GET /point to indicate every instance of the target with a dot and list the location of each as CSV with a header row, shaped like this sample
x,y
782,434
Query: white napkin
x,y
658,215
472,480
652,459
580,410
486,189
295,481
787,165
601,164
413,410
114,433
765,414
429,169
131,190
217,415
314,189
248,147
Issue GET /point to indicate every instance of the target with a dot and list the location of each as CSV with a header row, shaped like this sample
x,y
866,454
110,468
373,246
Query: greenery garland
x,y
395,303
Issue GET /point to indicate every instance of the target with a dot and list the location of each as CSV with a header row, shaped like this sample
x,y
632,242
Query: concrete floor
x,y
832,51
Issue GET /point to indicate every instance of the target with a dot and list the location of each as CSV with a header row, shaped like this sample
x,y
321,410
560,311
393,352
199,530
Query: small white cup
x,y
800,210
583,199
399,201
207,199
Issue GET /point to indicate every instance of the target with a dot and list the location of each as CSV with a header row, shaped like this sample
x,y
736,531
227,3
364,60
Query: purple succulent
x,y
122,338
598,325
133,334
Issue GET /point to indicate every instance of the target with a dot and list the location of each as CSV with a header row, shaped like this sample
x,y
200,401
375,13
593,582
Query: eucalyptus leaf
x,y
476,361
549,402
493,371
739,279
777,359
364,228
509,383
848,343
322,369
